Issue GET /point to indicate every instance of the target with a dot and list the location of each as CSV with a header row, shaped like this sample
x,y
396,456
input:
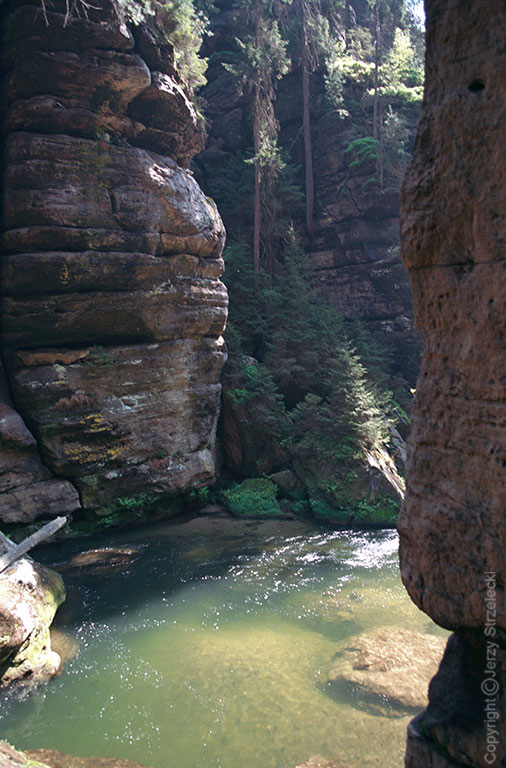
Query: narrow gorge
x,y
220,321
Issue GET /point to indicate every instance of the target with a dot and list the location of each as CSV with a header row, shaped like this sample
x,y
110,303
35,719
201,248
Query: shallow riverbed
x,y
208,647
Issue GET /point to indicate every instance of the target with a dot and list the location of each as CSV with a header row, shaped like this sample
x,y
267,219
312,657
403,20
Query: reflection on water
x,y
210,646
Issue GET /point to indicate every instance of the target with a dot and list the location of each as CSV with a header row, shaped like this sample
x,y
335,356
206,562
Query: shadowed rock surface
x,y
112,308
452,524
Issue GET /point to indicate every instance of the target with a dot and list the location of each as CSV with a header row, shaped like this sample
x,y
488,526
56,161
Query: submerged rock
x,y
64,644
12,758
49,758
54,759
320,762
390,667
29,597
103,559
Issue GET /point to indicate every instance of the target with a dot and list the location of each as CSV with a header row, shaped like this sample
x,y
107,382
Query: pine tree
x,y
262,61
308,152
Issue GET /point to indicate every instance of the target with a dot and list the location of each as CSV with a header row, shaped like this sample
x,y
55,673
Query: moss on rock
x,y
29,598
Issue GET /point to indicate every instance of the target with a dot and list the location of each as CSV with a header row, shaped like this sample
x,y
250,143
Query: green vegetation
x,y
310,389
316,382
98,356
183,24
255,497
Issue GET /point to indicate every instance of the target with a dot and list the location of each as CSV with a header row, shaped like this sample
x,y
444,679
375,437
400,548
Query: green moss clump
x,y
381,511
255,497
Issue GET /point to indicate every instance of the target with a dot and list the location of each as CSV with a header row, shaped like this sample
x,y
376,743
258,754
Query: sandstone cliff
x,y
112,307
452,524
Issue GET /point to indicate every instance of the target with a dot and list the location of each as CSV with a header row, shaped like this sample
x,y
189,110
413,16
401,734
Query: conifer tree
x,y
262,61
308,152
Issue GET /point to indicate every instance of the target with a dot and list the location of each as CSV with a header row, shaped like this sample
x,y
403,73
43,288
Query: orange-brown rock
x,y
50,758
452,527
27,488
53,759
112,307
452,531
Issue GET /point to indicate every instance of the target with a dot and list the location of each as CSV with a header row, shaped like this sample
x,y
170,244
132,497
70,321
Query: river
x,y
207,645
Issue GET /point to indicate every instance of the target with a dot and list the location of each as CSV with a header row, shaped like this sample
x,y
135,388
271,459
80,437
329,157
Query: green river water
x,y
210,648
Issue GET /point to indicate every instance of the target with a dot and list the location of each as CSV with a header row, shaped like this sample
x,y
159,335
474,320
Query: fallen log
x,y
18,550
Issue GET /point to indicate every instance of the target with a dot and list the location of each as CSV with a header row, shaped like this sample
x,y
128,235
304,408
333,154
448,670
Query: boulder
x,y
367,492
12,758
29,598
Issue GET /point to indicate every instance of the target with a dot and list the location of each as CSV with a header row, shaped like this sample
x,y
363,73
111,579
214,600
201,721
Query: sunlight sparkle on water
x,y
214,649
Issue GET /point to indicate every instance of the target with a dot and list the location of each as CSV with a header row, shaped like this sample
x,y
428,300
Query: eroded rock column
x,y
453,536
112,306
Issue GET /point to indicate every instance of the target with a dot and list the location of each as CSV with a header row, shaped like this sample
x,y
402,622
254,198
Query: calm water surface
x,y
210,649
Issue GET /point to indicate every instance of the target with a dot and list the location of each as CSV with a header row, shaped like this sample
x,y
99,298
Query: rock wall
x,y
452,533
112,307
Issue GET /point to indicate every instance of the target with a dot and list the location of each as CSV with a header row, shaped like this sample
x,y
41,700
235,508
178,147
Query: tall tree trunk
x,y
308,153
377,35
381,146
257,208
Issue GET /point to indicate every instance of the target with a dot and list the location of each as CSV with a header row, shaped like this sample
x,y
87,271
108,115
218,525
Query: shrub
x,y
255,497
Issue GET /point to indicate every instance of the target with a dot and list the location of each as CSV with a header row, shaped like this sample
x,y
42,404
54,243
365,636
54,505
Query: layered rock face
x,y
112,307
452,524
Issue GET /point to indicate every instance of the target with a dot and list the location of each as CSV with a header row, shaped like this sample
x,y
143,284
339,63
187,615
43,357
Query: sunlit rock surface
x,y
29,597
453,228
50,758
54,759
112,307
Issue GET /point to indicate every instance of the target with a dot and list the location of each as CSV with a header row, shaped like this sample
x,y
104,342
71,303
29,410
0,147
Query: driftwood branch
x,y
17,550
